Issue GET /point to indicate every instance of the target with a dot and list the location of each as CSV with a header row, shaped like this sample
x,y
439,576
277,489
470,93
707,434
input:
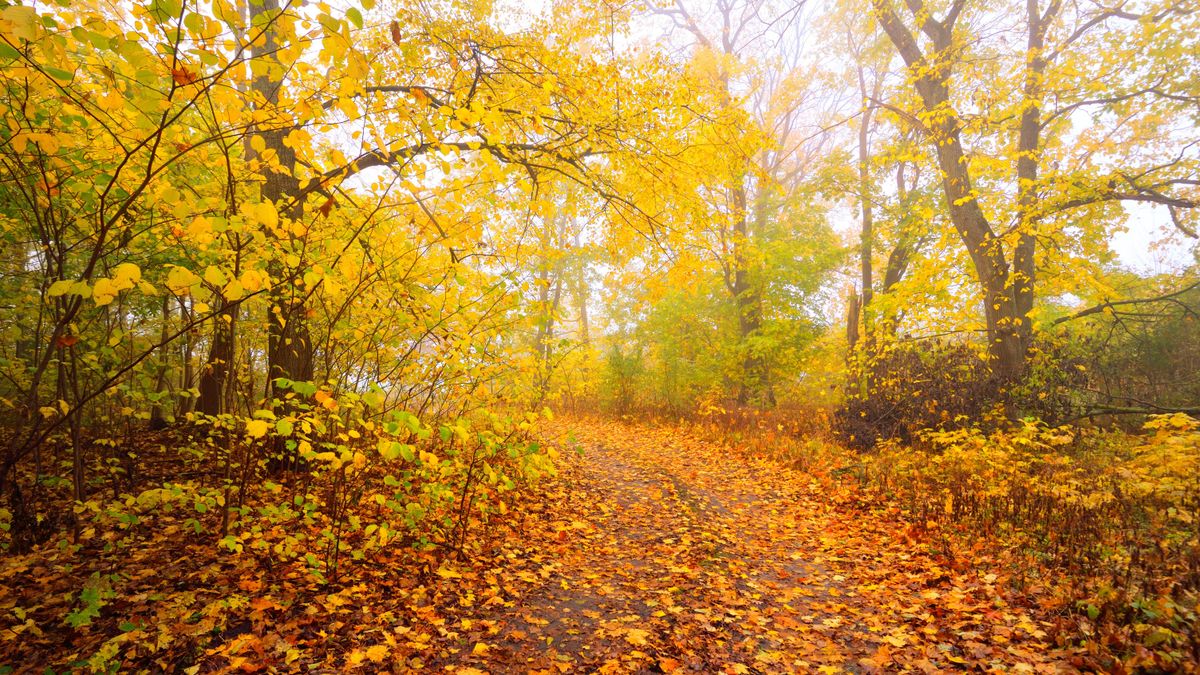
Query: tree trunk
x,y
553,238
898,259
985,248
158,419
581,297
867,236
214,376
289,342
1028,148
852,318
185,385
747,299
862,368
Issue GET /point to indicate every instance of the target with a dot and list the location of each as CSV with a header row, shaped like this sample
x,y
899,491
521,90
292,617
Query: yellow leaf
x,y
200,229
895,640
257,428
233,290
127,273
377,653
103,292
24,21
448,573
252,280
214,276
480,649
180,280
61,287
326,400
267,215
636,637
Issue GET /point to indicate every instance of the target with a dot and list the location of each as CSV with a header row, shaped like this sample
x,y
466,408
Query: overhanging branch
x,y
1113,304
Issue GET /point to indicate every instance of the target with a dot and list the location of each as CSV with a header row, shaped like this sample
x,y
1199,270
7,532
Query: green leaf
x,y
395,449
60,74
165,10
355,17
414,511
83,617
410,421
1158,637
329,23
194,22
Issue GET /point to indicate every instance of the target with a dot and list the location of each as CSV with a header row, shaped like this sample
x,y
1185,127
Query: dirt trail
x,y
670,553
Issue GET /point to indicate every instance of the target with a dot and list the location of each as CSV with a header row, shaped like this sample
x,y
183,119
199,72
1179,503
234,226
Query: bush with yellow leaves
x,y
1108,519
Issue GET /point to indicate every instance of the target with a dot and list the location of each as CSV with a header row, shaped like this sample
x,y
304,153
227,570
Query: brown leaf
x,y
183,76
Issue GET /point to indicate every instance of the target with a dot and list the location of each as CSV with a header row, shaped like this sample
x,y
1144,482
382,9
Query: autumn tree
x,y
271,202
764,139
1001,217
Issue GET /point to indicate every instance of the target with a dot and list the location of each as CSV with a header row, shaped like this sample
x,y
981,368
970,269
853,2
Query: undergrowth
x,y
1100,528
313,500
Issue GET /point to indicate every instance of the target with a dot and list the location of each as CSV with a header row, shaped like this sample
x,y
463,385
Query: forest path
x,y
669,552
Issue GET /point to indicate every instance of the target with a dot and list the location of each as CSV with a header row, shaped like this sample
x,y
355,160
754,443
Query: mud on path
x,y
671,552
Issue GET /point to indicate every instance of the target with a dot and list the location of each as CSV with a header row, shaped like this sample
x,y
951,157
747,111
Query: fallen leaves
x,y
652,550
637,637
374,654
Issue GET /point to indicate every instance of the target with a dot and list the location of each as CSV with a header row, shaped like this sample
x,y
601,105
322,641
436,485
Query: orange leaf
x,y
183,76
